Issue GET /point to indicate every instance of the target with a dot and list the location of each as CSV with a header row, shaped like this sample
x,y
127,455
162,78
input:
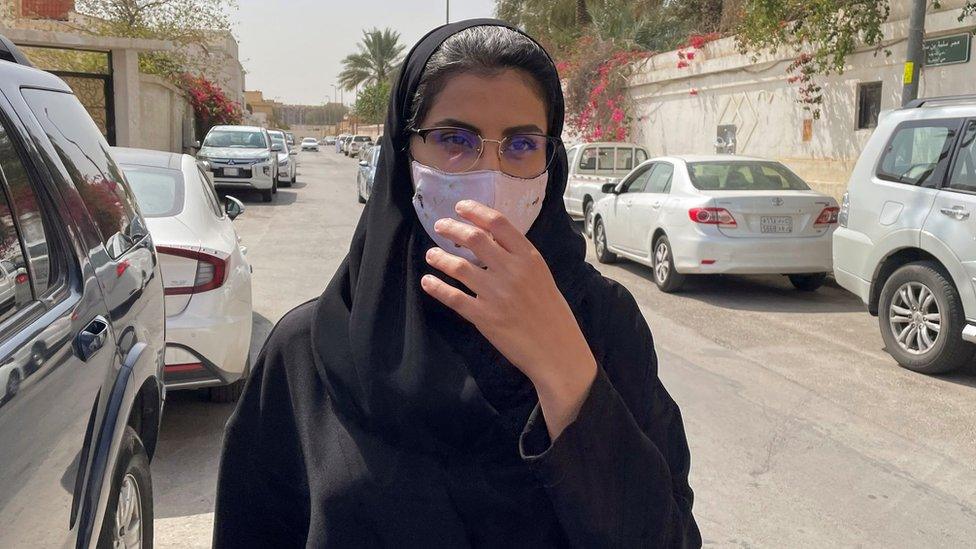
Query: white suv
x,y
906,244
242,157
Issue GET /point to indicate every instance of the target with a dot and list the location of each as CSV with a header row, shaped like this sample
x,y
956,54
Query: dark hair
x,y
485,50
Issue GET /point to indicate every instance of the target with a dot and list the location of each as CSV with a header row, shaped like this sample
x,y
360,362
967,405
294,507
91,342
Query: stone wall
x,y
678,110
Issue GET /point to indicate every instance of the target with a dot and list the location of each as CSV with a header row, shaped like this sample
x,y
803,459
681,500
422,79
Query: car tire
x,y
359,193
131,479
948,351
603,253
274,186
808,282
13,386
588,218
667,278
266,195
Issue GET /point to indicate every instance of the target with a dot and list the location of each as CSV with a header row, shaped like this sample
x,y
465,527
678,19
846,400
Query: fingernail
x,y
431,253
441,224
463,206
426,280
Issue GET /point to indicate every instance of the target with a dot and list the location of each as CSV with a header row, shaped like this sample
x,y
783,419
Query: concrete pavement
x,y
803,432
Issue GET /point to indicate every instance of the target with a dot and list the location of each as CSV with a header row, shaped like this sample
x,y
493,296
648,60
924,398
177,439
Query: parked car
x,y
242,157
344,147
591,166
287,166
85,335
290,139
367,173
205,271
310,144
327,140
356,143
907,238
685,215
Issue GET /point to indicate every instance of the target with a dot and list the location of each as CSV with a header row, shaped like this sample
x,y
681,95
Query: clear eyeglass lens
x,y
456,150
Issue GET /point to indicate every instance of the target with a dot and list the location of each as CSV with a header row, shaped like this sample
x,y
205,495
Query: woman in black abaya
x,y
466,379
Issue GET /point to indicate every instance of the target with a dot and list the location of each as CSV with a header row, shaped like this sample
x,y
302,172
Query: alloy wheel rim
x,y
915,318
662,269
601,246
588,221
128,515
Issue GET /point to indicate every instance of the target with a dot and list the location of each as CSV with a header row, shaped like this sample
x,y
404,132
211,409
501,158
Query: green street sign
x,y
947,50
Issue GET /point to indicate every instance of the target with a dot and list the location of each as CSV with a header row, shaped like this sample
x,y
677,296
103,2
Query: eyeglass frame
x,y
555,142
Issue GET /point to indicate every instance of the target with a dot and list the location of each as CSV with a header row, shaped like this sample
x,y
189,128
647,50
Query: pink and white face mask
x,y
436,193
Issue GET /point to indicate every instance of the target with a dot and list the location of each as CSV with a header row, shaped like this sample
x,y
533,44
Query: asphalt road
x,y
803,431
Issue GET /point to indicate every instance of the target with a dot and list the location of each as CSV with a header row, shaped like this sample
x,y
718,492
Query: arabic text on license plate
x,y
776,224
232,171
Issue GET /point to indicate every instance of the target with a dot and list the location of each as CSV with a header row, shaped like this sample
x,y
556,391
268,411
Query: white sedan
x,y
685,215
206,276
310,144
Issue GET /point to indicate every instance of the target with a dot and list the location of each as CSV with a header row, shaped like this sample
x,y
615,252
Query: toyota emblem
x,y
777,201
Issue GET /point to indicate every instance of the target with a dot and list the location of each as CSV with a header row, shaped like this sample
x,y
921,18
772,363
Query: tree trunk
x,y
582,14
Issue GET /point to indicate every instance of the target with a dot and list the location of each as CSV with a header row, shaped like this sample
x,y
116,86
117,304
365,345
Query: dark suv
x,y
81,326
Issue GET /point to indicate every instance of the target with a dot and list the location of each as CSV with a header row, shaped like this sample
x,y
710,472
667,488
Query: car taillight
x,y
211,271
712,216
828,216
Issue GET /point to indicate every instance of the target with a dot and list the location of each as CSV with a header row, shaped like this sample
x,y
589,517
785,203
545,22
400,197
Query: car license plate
x,y
776,224
230,172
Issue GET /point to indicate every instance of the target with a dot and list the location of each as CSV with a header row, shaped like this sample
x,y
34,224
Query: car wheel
x,y
921,320
128,520
808,282
665,276
266,195
588,219
13,385
274,186
359,194
603,253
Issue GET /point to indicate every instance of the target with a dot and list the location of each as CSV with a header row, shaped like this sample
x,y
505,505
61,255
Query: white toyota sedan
x,y
685,215
206,276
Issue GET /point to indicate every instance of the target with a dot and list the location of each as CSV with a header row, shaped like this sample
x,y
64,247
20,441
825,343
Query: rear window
x,y
744,176
159,191
235,139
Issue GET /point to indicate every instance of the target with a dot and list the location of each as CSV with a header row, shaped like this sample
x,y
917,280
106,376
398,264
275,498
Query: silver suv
x,y
242,157
906,244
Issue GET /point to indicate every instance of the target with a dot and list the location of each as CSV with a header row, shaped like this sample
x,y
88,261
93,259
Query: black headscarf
x,y
397,363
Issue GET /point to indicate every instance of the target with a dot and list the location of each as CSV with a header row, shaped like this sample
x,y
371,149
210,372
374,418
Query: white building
x,y
723,93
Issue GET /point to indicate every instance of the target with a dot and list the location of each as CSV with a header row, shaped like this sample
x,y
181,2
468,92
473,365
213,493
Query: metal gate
x,y
95,93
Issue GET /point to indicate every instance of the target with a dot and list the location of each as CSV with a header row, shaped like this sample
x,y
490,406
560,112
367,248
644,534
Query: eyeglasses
x,y
457,150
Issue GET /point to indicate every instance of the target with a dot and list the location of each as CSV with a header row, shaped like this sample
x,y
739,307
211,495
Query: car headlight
x,y
266,157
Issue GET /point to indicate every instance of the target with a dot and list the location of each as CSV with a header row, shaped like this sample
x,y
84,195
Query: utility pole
x,y
448,11
915,57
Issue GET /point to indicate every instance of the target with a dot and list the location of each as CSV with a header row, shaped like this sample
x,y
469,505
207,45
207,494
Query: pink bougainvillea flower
x,y
693,91
682,64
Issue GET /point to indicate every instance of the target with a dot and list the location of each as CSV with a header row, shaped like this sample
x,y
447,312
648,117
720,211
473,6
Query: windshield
x,y
277,139
309,140
235,139
744,176
159,191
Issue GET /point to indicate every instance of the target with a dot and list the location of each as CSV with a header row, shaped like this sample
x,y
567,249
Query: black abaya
x,y
374,417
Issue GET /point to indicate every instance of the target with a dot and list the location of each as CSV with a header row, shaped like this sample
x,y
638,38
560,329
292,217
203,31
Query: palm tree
x,y
378,58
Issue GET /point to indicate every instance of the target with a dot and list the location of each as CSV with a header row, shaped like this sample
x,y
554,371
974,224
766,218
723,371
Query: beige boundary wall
x,y
731,88
166,118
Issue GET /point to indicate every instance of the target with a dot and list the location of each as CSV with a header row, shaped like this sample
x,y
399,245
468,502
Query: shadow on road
x,y
185,466
284,197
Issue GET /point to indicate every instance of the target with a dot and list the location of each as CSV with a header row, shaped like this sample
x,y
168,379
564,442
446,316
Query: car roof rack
x,y
9,52
916,103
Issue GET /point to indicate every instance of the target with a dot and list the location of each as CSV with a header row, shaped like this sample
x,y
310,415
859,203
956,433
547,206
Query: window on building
x,y
917,152
85,155
868,104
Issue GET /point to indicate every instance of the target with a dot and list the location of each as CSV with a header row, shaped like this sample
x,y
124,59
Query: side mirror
x,y
610,188
233,207
204,165
363,163
276,148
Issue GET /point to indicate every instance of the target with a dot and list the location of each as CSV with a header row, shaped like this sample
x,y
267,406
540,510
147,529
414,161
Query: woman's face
x,y
496,107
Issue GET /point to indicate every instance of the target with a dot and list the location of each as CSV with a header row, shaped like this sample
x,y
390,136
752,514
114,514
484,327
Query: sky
x,y
292,50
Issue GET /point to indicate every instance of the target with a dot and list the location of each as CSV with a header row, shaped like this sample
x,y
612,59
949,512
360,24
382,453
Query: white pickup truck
x,y
591,165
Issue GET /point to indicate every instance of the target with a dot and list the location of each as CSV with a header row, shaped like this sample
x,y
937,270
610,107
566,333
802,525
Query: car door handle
x,y
628,203
91,338
656,205
956,212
